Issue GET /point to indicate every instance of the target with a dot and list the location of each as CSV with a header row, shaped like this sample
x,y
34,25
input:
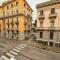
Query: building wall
x,y
23,11
46,24
47,10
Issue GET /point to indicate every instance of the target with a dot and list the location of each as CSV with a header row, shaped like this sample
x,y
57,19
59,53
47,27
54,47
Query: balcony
x,y
39,28
12,23
12,29
8,29
28,14
47,28
52,28
25,23
54,15
8,23
17,29
27,29
41,17
10,14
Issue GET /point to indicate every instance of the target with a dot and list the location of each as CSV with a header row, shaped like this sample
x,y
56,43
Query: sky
x,y
33,4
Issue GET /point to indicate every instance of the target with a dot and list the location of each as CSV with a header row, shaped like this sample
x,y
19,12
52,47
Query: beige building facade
x,y
48,23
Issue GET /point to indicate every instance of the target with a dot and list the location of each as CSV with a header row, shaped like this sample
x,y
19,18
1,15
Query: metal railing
x,y
52,28
9,13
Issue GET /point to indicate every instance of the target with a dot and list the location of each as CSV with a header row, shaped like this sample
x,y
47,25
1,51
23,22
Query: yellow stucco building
x,y
15,19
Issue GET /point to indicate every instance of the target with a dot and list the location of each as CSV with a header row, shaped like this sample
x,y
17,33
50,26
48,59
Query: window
x,y
52,24
7,13
51,43
17,21
16,3
28,10
12,12
12,35
24,5
17,12
52,10
51,35
0,28
12,5
7,7
8,22
8,32
35,25
41,12
56,45
7,10
45,43
17,31
41,34
3,13
12,23
41,24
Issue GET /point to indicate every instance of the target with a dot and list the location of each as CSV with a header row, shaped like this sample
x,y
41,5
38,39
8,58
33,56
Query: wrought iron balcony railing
x,y
47,28
10,14
17,29
8,23
12,23
25,23
8,29
12,29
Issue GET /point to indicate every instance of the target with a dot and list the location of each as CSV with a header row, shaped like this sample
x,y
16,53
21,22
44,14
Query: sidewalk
x,y
40,46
